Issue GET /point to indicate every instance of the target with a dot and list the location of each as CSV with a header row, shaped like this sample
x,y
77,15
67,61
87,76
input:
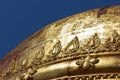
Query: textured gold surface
x,y
84,46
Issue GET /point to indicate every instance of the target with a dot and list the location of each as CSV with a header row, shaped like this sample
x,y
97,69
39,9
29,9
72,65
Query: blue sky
x,y
21,18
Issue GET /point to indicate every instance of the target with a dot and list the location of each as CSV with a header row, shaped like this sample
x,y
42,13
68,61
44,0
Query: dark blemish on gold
x,y
102,11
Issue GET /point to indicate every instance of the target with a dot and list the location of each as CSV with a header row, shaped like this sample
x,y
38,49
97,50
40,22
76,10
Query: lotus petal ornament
x,y
84,46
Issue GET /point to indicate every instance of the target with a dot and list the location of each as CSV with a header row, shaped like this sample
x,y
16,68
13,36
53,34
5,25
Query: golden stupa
x,y
84,46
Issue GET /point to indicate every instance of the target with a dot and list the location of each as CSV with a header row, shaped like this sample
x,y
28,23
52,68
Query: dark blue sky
x,y
21,18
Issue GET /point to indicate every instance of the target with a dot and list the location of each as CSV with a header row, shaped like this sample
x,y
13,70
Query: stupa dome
x,y
84,46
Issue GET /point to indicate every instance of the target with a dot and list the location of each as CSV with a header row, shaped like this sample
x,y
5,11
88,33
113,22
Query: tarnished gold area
x,y
84,46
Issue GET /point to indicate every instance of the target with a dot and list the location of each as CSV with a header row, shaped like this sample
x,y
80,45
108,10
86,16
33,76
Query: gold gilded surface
x,y
85,46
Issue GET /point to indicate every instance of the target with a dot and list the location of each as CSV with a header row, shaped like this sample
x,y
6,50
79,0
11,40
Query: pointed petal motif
x,y
116,37
73,46
96,41
24,60
55,50
113,42
11,67
107,43
93,43
40,54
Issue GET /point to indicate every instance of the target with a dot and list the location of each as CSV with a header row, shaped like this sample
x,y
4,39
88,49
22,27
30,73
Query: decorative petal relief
x,y
24,60
91,44
40,54
55,50
11,67
96,41
112,43
107,43
115,39
27,75
73,46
